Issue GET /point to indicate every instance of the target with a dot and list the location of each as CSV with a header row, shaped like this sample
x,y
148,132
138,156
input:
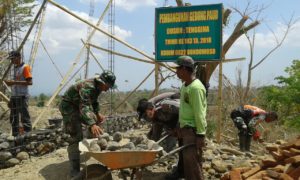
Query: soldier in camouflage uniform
x,y
79,106
163,111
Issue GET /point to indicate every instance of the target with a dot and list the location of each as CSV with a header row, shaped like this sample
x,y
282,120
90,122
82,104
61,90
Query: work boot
x,y
78,176
74,168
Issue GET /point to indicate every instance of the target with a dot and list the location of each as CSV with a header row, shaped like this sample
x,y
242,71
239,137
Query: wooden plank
x,y
288,145
272,174
295,151
294,159
266,178
235,174
251,172
277,156
295,174
289,168
293,144
284,176
272,147
288,153
279,168
269,163
257,175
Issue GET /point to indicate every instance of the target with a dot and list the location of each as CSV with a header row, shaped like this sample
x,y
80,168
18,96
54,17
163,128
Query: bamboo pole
x,y
94,56
134,90
130,57
157,79
38,37
120,54
57,69
26,36
234,60
220,101
61,85
78,70
101,30
5,98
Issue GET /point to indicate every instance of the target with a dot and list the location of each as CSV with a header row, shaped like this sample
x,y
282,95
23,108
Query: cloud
x,y
128,5
62,36
265,41
62,32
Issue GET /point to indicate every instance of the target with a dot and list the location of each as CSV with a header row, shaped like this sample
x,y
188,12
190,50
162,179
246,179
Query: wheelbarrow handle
x,y
173,152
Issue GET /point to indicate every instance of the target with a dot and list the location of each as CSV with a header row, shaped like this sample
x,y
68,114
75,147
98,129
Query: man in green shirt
x,y
192,118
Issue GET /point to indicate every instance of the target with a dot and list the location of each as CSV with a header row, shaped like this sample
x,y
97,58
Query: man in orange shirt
x,y
246,118
19,99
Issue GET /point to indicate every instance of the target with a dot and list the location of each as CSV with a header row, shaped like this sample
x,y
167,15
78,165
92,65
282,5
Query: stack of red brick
x,y
284,164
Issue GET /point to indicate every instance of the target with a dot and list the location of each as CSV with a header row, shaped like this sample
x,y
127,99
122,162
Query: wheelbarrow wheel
x,y
97,171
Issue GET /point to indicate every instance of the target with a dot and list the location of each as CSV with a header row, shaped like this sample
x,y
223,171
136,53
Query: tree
x,y
41,100
285,99
14,16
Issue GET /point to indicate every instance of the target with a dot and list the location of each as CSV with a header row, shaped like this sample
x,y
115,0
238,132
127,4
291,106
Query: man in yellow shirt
x,y
192,118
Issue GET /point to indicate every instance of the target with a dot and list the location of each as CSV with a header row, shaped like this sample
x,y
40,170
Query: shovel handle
x,y
173,152
163,138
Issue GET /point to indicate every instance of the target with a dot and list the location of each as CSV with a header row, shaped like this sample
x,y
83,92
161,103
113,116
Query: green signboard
x,y
195,31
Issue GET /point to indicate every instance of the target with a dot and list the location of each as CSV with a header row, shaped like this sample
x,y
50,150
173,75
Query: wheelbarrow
x,y
118,160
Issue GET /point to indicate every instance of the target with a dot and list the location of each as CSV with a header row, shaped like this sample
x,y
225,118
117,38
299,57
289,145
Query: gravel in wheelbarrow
x,y
121,159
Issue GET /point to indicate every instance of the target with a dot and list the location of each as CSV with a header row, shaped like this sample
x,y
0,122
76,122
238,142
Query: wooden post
x,y
157,79
220,102
86,73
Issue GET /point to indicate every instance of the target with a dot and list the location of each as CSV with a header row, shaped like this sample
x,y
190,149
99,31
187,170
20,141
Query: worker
x,y
18,103
192,118
79,106
246,118
162,112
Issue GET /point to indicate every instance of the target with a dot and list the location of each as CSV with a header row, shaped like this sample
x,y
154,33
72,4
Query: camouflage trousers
x,y
73,127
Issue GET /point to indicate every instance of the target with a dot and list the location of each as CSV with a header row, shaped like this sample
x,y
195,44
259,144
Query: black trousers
x,y
19,106
245,141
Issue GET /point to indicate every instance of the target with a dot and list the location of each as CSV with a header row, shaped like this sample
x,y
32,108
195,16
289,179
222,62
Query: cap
x,y
185,61
106,77
14,54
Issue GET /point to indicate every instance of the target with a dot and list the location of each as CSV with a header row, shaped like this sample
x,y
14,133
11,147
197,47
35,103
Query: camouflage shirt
x,y
167,114
82,97
166,109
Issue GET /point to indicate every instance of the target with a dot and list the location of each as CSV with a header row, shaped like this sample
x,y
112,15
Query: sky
x,y
134,23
